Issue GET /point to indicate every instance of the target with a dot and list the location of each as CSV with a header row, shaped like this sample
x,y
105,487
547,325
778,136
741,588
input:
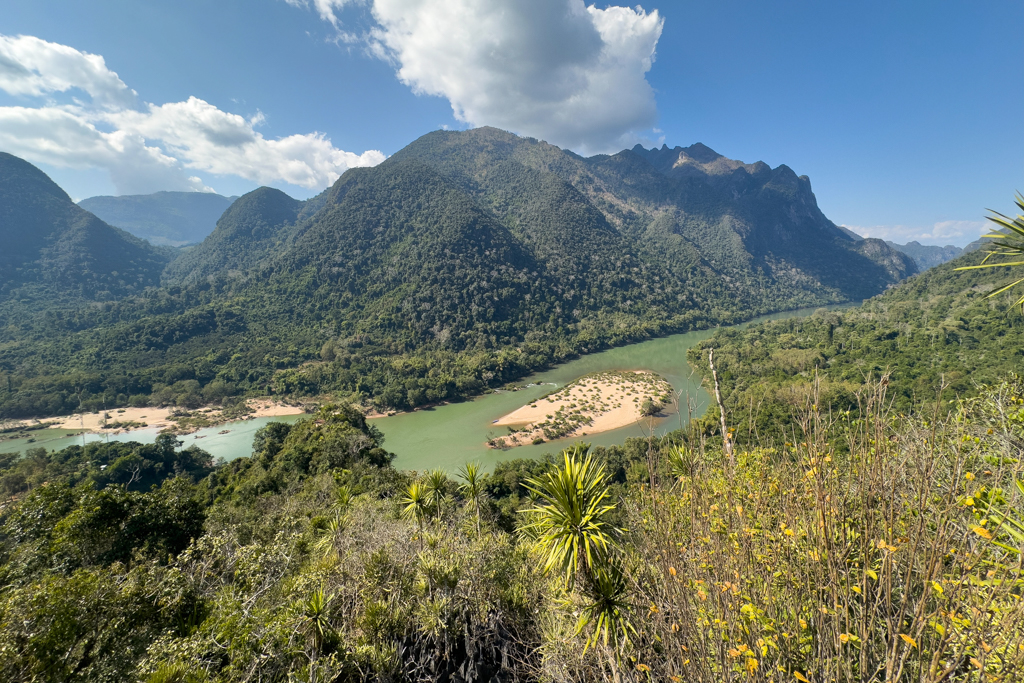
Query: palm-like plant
x,y
417,505
473,487
680,462
1010,244
571,521
314,617
436,482
608,614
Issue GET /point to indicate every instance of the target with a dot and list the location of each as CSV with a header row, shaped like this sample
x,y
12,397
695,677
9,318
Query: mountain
x,y
755,228
53,247
927,256
246,234
167,218
464,261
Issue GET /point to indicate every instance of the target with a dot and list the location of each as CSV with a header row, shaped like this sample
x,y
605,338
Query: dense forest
x,y
462,263
938,330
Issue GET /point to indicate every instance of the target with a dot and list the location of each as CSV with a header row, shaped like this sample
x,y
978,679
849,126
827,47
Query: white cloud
x,y
553,69
156,147
558,70
959,233
35,67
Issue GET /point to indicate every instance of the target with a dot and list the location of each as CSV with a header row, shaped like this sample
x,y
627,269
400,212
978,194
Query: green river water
x,y
450,435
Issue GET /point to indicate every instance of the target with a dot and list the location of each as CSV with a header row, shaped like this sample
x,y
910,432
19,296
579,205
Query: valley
x,y
389,388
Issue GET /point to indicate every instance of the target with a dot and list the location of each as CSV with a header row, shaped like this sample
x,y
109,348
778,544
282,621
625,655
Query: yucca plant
x,y
571,520
608,613
435,483
680,462
417,505
1009,243
473,487
571,526
314,617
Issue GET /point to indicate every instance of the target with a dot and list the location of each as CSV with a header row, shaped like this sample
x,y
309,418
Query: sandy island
x,y
117,420
594,403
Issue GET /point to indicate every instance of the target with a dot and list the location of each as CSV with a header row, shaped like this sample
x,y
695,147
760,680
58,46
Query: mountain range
x,y
462,262
165,218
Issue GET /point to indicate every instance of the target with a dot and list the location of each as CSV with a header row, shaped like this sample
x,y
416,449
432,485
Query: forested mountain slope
x,y
756,229
464,261
169,218
938,329
51,248
249,232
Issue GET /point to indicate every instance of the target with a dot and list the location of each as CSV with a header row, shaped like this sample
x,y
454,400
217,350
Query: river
x,y
451,435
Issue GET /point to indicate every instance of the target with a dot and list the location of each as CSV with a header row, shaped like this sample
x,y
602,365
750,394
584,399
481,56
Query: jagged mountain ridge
x,y
739,217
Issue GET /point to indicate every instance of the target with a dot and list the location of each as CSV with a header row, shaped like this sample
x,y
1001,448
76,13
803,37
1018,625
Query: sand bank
x,y
594,403
129,419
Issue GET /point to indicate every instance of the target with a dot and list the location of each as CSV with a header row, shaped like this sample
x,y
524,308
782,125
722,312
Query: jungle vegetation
x,y
937,337
896,557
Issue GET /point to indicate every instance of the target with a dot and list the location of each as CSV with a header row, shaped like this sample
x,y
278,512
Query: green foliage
x,y
939,329
135,466
570,522
1006,242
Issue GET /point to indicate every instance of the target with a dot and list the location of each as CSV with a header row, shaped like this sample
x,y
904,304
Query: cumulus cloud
x,y
959,233
30,66
555,69
149,147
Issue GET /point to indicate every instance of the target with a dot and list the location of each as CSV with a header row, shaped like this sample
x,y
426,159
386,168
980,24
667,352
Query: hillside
x,y
53,249
248,233
463,262
936,329
167,218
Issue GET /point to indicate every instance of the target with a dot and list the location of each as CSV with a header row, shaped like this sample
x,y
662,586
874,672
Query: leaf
x,y
908,640
800,677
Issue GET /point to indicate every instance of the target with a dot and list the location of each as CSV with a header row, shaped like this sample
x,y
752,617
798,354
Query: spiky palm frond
x,y
680,462
436,482
572,520
607,616
315,618
1009,243
335,527
473,487
416,502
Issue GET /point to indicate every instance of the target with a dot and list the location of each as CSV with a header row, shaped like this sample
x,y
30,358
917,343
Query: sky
x,y
907,116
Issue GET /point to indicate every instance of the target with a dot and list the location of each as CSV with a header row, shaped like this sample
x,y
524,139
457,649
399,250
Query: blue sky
x,y
907,116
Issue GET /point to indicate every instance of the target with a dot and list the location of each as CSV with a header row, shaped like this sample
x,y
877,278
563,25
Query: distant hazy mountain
x,y
927,256
167,218
59,249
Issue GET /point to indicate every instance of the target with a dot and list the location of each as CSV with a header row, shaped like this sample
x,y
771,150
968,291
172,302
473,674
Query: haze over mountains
x,y
166,218
463,261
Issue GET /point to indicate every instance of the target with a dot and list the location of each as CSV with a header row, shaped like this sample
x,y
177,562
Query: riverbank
x,y
595,403
173,419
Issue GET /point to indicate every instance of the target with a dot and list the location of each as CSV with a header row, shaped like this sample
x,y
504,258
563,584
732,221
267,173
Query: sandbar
x,y
591,404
